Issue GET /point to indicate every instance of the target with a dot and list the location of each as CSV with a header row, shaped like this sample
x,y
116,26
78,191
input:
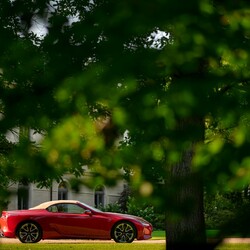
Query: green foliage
x,y
107,63
113,207
221,208
218,209
133,207
148,212
197,69
5,148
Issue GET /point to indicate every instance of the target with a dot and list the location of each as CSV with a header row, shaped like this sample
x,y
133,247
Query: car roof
x,y
44,205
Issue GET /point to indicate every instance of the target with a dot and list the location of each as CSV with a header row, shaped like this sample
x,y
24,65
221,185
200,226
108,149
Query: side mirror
x,y
88,212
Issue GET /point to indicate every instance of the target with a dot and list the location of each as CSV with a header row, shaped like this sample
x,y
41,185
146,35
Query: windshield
x,y
89,207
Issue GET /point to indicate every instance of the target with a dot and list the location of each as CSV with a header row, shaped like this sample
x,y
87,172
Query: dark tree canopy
x,y
171,78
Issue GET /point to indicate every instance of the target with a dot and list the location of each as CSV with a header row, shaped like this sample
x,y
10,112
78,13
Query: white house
x,y
29,195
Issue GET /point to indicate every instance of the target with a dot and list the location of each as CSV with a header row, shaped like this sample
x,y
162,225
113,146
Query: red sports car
x,y
69,219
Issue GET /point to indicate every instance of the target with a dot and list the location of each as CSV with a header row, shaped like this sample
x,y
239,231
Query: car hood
x,y
128,216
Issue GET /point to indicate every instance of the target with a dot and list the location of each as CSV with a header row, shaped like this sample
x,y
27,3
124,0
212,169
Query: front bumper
x,y
146,233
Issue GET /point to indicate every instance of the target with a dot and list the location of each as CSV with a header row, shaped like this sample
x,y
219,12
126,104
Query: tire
x,y
124,232
29,232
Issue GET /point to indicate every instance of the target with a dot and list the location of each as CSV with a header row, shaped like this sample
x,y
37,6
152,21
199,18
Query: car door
x,y
74,221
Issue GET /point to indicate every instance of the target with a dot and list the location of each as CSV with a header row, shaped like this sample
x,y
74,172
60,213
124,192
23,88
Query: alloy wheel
x,y
124,232
29,233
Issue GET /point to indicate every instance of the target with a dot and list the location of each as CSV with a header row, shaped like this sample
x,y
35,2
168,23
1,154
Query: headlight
x,y
145,224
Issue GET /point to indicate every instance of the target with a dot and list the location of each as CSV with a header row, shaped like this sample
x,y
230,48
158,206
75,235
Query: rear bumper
x,y
6,228
7,234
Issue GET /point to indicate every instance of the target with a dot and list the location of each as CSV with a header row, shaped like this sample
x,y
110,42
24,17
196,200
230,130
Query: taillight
x,y
3,214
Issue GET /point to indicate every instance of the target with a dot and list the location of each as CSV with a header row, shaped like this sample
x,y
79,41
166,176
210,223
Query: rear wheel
x,y
29,232
124,232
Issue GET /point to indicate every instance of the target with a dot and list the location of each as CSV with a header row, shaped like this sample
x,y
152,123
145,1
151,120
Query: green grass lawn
x,y
110,245
161,234
105,246
234,247
158,235
85,246
211,233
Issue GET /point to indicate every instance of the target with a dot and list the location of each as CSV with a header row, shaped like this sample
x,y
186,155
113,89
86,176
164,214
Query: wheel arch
x,y
29,221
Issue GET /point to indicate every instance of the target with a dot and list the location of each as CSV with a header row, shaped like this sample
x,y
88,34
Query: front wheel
x,y
29,232
124,232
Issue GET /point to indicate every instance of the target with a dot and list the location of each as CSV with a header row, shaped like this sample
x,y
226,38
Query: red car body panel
x,y
93,224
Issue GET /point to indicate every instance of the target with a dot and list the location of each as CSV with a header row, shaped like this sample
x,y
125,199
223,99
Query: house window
x,y
23,196
99,196
63,191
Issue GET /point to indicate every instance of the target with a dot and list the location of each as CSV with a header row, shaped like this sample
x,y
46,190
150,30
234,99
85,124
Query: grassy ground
x,y
106,246
158,235
85,246
113,246
234,247
161,234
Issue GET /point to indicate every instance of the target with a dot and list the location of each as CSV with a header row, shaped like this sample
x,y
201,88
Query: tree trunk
x,y
185,222
185,228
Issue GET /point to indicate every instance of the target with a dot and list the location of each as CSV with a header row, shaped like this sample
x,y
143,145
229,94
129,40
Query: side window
x,y
67,208
62,208
75,209
52,209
